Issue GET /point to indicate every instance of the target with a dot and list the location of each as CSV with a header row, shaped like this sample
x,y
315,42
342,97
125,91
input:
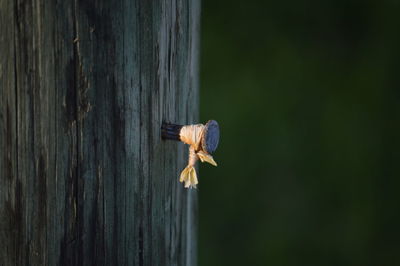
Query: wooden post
x,y
85,178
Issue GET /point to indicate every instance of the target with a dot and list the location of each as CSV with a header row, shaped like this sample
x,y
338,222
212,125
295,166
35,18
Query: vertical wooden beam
x,y
84,175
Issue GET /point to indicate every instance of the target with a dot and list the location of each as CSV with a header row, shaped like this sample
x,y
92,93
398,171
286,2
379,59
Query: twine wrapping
x,y
192,135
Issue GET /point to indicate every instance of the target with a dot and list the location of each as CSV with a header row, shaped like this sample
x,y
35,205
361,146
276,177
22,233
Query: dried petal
x,y
189,176
205,157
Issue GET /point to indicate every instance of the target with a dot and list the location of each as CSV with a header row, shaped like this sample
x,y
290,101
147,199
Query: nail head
x,y
210,137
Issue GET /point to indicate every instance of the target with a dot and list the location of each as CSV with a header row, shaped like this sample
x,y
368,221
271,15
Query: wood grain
x,y
85,178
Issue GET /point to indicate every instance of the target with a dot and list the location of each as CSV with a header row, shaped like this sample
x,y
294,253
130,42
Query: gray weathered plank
x,y
84,175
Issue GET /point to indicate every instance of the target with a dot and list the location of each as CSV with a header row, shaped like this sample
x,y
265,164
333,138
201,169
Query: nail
x,y
209,134
170,131
202,140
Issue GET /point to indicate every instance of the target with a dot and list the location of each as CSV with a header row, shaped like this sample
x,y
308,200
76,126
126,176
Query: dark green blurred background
x,y
308,100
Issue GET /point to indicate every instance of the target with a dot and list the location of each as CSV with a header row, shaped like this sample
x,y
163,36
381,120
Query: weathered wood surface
x,y
85,178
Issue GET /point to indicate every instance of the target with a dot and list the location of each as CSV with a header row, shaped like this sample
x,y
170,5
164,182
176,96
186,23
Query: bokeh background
x,y
307,95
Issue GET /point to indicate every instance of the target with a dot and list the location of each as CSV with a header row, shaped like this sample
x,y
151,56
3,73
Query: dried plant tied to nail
x,y
203,140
